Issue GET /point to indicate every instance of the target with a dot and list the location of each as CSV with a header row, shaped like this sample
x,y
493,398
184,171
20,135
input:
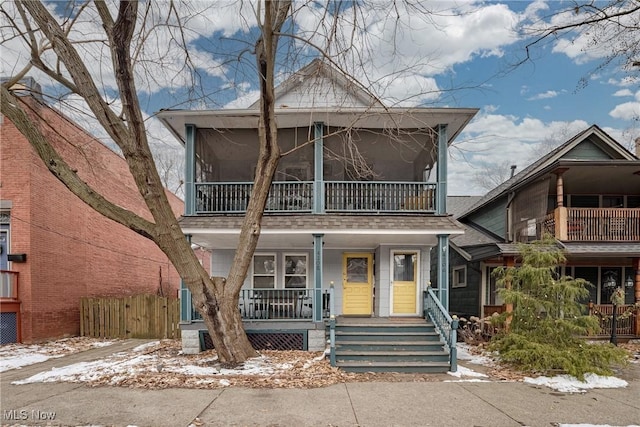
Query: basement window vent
x,y
290,340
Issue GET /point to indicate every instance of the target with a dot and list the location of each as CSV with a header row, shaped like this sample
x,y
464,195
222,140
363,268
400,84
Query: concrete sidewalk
x,y
351,404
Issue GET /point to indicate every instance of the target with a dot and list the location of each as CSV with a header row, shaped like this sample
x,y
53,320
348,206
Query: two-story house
x,y
353,204
585,193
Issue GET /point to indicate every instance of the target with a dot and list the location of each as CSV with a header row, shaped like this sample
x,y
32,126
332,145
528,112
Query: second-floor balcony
x,y
328,196
594,224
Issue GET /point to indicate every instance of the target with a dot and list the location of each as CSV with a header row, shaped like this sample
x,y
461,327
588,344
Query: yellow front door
x,y
404,289
357,284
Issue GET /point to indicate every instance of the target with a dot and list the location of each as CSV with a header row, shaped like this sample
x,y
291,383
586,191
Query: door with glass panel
x,y
404,283
357,284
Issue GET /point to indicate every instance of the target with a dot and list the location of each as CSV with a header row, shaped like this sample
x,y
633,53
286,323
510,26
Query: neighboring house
x,y
366,226
54,248
586,193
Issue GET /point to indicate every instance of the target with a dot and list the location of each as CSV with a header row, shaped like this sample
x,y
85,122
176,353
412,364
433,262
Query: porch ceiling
x,y
364,118
340,231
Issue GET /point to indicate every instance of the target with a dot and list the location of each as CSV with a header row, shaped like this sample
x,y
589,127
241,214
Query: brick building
x,y
56,248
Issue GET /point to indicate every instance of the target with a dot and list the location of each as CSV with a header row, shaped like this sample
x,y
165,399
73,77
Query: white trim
x,y
423,232
453,277
275,269
417,266
284,269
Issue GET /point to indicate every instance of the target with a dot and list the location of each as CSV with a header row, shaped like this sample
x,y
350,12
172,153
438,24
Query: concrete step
x,y
417,345
391,356
414,367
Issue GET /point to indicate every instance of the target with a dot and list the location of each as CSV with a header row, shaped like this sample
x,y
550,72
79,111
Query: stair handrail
x,y
332,325
447,326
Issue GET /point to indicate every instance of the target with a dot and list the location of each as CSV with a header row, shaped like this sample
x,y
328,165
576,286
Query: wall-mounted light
x,y
609,283
629,282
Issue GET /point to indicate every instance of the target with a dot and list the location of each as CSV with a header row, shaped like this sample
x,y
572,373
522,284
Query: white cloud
x,y
545,95
623,92
492,139
626,111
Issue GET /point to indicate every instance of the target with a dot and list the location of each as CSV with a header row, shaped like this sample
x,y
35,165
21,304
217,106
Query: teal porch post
x,y
441,185
317,283
318,168
186,307
189,170
443,270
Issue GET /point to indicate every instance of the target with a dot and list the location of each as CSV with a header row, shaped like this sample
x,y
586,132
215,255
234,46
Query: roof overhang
x,y
339,232
360,118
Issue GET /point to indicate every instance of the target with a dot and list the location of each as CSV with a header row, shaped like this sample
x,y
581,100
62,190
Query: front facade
x,y
586,194
353,203
54,249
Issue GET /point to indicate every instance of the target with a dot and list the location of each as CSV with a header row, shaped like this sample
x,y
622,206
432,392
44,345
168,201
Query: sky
x,y
440,54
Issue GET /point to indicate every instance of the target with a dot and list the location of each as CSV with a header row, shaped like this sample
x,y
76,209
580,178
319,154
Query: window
x,y
295,271
459,277
264,271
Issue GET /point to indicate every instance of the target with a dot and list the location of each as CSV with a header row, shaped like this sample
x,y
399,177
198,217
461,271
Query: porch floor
x,y
353,320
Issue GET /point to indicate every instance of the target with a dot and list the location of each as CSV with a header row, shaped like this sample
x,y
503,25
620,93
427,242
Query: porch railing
x,y
626,319
340,196
355,196
233,197
277,304
8,284
447,326
597,224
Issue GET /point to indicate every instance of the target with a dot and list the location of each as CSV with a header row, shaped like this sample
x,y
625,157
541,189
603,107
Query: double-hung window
x,y
264,271
266,275
295,271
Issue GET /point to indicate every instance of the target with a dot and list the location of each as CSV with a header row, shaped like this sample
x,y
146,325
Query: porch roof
x,y
340,231
359,118
604,249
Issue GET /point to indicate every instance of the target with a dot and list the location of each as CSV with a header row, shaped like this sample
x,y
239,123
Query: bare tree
x,y
215,298
608,31
126,39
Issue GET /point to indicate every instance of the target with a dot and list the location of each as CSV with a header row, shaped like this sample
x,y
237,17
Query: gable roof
x,y
606,143
308,78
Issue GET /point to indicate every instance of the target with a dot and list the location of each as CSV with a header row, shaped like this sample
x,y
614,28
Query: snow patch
x,y
569,384
466,372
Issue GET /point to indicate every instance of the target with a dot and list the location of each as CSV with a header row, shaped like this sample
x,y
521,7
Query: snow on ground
x,y
160,364
465,352
569,384
466,372
15,356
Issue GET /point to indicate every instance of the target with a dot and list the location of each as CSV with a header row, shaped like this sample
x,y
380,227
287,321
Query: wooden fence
x,y
140,316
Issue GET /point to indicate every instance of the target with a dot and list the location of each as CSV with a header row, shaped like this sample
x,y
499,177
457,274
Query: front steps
x,y
413,345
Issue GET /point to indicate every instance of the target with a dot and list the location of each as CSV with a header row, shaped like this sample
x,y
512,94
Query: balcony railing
x,y
339,196
596,224
277,304
8,284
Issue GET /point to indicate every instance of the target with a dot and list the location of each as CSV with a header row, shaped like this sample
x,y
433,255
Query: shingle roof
x,y
328,222
605,249
459,204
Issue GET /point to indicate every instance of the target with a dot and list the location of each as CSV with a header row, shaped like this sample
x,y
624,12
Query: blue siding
x,y
493,217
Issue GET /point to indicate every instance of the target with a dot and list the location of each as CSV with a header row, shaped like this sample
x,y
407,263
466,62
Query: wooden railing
x,y
339,196
596,225
447,326
626,319
8,285
354,196
277,304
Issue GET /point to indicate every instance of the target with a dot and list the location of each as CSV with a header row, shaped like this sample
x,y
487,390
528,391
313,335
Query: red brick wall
x,y
72,251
